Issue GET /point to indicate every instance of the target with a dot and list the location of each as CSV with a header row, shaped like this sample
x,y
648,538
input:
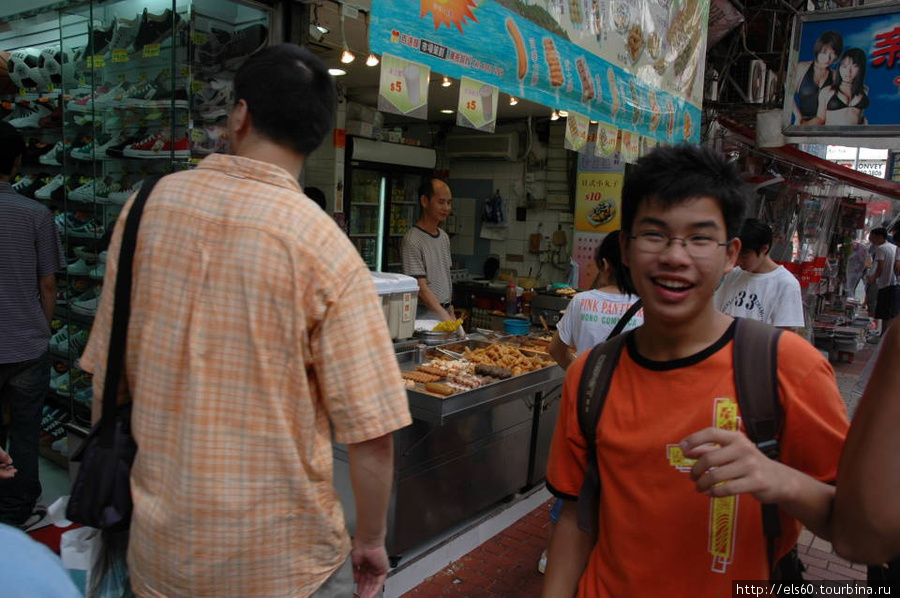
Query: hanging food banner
x,y
607,140
647,145
635,64
477,105
631,147
844,74
577,132
403,88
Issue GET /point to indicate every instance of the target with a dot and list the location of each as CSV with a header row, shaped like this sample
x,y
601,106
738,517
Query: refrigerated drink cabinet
x,y
382,203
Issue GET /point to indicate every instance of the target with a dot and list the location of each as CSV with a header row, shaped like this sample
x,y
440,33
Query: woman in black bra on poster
x,y
814,76
843,103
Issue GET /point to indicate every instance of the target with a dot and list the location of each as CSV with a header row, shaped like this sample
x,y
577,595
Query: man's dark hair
x,y
315,194
832,39
880,232
671,175
755,234
610,250
12,145
290,96
426,187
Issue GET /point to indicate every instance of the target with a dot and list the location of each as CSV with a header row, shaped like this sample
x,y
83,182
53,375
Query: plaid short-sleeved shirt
x,y
255,330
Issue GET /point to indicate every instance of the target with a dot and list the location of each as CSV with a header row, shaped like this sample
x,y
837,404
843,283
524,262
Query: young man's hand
x,y
728,464
6,467
370,568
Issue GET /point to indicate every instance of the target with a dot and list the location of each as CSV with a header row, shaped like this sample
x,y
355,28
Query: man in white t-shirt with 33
x,y
759,288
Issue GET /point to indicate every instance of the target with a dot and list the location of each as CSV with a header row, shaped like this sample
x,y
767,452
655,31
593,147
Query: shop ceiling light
x,y
513,100
564,113
446,82
337,72
446,111
322,29
372,60
346,56
555,115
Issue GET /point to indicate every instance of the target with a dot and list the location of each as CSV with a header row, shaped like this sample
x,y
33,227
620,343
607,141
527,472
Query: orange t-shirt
x,y
657,535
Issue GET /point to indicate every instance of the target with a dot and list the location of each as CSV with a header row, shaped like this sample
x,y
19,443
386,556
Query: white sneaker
x,y
87,304
31,119
78,268
51,158
54,184
98,272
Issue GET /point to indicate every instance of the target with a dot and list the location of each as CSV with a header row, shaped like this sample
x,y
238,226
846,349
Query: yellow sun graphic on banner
x,y
449,12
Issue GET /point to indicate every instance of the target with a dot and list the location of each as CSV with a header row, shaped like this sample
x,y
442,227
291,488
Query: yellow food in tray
x,y
448,326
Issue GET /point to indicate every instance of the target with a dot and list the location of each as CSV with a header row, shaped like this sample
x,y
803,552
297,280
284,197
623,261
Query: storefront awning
x,y
792,154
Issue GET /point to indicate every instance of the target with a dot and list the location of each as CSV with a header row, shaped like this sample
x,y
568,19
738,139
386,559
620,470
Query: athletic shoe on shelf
x,y
96,150
59,337
99,38
215,100
54,120
125,31
123,192
158,145
47,190
89,230
19,111
87,190
87,304
117,150
22,184
84,253
34,149
86,103
242,43
98,272
36,183
32,118
60,381
75,342
71,182
209,54
78,268
53,157
84,395
209,140
114,96
102,256
155,28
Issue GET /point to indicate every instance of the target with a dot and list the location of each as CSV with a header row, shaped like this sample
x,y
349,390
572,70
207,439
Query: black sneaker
x,y
155,28
243,43
99,39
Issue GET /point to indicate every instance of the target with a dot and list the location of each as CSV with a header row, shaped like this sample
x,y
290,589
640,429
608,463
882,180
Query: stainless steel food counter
x,y
464,453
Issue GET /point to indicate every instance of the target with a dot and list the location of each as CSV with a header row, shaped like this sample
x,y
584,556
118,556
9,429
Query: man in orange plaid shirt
x,y
255,334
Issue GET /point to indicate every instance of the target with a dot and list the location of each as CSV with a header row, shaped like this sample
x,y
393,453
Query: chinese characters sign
x,y
844,75
577,132
477,105
634,64
598,202
403,88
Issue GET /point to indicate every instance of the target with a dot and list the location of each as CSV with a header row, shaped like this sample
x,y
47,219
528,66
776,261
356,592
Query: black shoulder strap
x,y
623,321
756,383
592,389
115,360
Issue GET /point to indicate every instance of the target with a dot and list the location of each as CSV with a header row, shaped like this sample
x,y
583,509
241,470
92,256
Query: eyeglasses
x,y
657,242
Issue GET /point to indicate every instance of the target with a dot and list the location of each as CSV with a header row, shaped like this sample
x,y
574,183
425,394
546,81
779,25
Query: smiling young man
x,y
426,252
661,533
759,288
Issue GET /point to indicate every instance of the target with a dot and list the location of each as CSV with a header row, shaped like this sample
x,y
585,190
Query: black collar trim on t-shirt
x,y
662,366
435,236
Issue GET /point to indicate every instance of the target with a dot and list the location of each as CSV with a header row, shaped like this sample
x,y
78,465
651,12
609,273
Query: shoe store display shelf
x,y
107,93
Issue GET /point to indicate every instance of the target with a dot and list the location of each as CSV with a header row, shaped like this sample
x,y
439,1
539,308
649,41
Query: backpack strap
x,y
623,321
592,389
756,382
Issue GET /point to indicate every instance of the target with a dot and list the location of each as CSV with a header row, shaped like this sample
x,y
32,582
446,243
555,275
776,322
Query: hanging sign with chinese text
x,y
844,74
577,132
403,88
477,105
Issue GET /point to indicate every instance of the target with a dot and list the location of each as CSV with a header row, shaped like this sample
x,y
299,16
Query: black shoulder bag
x,y
101,494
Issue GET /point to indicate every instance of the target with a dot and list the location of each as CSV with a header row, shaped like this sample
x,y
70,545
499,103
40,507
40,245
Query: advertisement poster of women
x,y
845,73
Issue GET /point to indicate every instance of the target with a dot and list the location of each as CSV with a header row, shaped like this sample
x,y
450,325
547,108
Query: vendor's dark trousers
x,y
23,386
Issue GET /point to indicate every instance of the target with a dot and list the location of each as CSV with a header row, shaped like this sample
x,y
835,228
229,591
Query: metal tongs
x,y
450,353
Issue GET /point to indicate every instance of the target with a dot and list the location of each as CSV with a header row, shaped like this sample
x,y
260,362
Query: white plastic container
x,y
399,296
